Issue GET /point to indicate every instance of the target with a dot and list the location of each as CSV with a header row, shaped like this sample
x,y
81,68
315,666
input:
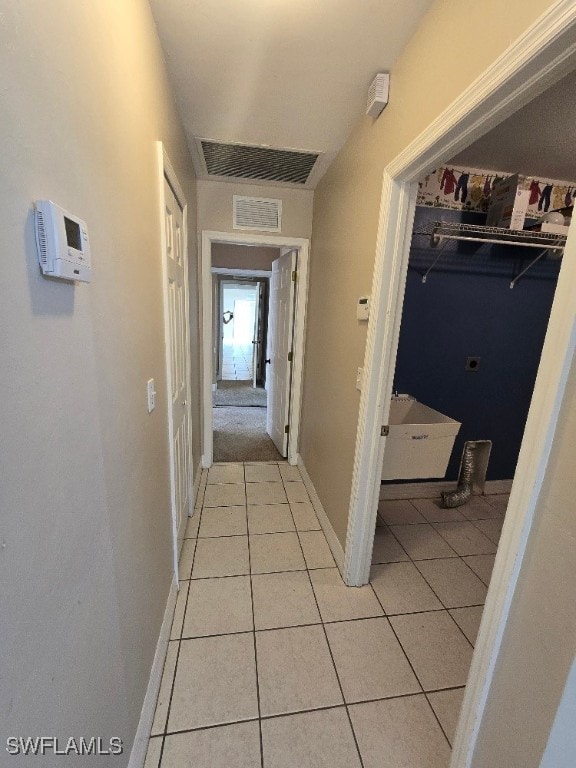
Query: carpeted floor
x,y
240,435
239,393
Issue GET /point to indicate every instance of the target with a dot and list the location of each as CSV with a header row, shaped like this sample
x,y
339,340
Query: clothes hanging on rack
x,y
462,187
544,202
569,199
534,192
448,183
487,186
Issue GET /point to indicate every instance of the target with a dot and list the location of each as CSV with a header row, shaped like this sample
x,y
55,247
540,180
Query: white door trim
x,y
166,170
303,247
540,57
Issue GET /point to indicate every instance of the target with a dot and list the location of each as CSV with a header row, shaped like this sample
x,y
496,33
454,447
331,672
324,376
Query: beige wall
x,y
454,44
539,644
232,256
215,206
86,550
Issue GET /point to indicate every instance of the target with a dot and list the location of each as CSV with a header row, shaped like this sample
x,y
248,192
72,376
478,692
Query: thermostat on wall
x,y
363,308
62,243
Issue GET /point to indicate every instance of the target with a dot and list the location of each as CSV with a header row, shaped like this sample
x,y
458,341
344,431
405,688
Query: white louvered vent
x,y
242,161
259,213
41,237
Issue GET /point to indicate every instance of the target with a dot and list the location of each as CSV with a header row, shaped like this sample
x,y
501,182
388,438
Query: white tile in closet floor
x,y
310,740
438,651
266,493
295,671
386,547
236,745
274,552
369,660
186,558
468,619
491,529
270,518
402,732
153,753
482,565
305,517
454,583
225,495
337,602
192,525
402,589
296,492
223,521
262,473
447,705
316,550
226,473
434,513
479,508
163,701
215,682
218,606
399,512
465,538
422,542
290,474
283,600
226,556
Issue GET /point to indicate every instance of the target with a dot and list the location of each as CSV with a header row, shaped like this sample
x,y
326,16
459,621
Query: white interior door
x,y
178,363
280,333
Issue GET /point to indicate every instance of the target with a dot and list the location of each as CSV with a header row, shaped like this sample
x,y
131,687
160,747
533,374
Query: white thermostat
x,y
363,308
62,242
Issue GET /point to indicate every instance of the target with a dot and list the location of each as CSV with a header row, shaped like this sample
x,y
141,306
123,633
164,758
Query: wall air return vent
x,y
240,161
258,213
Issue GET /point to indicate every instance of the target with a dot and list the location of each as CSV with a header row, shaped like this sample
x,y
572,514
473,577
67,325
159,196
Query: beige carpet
x,y
240,435
239,393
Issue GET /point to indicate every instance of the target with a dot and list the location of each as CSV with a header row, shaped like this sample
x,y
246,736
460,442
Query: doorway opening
x,y
254,291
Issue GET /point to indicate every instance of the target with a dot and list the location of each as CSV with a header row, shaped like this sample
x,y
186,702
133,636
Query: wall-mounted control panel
x,y
62,243
363,308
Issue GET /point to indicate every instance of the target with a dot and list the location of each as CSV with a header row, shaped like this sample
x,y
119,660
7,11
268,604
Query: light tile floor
x,y
237,362
274,663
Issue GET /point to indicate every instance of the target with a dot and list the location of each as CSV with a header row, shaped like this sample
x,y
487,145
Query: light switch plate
x,y
151,392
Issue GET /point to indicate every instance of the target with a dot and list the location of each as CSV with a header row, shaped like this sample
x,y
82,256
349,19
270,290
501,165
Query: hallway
x,y
272,661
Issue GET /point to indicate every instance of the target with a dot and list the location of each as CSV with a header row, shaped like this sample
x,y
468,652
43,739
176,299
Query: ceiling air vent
x,y
257,213
240,161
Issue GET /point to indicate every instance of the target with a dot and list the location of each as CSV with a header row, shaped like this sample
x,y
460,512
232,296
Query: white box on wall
x,y
508,204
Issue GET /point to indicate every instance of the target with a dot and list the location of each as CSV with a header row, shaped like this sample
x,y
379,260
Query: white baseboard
x,y
333,540
435,488
140,745
196,486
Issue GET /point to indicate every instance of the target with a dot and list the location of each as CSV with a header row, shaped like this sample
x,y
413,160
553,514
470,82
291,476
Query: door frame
x,y
166,171
539,58
302,245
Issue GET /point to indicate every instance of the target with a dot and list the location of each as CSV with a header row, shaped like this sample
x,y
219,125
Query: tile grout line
x,y
328,642
413,671
253,625
165,729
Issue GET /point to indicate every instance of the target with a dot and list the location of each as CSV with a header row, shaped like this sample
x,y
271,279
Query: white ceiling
x,y
292,74
538,140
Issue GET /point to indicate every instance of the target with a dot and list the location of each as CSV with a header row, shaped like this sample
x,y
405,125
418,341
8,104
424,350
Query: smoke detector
x,y
378,94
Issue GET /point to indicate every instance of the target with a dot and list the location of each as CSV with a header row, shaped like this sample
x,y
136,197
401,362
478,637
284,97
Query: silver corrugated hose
x,y
464,490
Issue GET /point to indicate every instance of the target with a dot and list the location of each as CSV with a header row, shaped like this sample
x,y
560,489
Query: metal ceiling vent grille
x,y
244,162
257,213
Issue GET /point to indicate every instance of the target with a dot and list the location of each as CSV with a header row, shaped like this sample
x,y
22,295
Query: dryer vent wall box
x,y
62,242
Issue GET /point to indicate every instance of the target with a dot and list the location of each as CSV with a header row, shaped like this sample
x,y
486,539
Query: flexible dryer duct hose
x,y
464,490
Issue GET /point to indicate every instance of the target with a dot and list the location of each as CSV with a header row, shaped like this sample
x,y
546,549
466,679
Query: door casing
x,y
166,172
538,59
302,245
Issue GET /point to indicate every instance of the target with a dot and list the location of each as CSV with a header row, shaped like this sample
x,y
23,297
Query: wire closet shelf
x,y
444,231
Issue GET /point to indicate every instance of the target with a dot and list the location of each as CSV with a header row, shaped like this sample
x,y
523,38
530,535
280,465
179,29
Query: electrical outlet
x,y
151,392
472,364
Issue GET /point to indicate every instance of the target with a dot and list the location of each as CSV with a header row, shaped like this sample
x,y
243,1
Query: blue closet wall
x,y
466,309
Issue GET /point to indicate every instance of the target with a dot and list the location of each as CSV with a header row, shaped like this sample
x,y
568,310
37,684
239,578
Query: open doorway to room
x,y
474,346
254,368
